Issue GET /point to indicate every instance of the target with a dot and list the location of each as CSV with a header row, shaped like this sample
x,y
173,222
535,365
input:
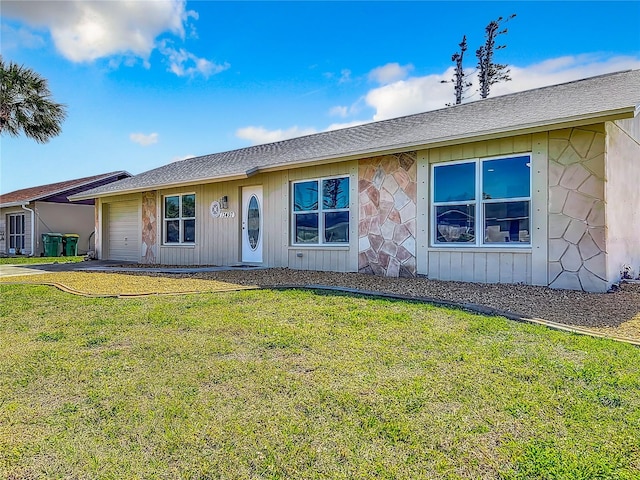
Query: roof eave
x,y
61,191
146,188
15,204
524,129
535,127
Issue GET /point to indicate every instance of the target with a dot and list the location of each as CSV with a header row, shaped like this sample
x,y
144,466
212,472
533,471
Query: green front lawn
x,y
300,385
39,260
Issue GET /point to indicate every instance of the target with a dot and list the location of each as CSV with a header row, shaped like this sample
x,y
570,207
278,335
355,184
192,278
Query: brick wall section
x,y
149,228
387,223
577,250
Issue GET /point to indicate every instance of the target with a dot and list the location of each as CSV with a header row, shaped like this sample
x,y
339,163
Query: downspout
x,y
33,227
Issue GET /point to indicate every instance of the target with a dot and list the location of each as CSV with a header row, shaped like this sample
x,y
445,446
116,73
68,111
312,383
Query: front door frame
x,y
251,249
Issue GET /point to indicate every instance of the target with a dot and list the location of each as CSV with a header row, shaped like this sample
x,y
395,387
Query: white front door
x,y
252,233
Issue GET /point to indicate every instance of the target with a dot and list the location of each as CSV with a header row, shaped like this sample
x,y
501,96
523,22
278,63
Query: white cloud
x,y
339,111
421,94
390,72
183,157
84,31
259,135
184,63
143,139
345,75
20,37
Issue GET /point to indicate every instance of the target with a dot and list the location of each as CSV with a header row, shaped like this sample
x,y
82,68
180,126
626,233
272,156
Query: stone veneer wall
x,y
577,250
149,228
387,191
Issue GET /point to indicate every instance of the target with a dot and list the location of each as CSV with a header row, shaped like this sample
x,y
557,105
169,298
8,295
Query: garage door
x,y
124,231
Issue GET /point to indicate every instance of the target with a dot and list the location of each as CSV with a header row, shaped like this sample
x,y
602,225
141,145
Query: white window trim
x,y
478,203
15,236
163,227
319,211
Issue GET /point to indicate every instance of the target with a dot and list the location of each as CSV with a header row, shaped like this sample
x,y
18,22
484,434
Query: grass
x,y
39,260
296,384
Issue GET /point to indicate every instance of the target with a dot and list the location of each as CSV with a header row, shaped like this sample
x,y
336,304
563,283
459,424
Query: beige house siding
x,y
50,217
484,264
585,214
218,240
622,193
64,218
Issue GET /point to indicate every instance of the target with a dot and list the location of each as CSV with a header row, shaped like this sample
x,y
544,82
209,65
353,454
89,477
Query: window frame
x,y
479,205
320,211
180,218
13,236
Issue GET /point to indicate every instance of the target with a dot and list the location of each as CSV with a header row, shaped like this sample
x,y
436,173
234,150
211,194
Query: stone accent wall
x,y
577,250
149,228
387,191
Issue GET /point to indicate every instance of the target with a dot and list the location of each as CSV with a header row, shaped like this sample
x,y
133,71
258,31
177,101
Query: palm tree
x,y
26,104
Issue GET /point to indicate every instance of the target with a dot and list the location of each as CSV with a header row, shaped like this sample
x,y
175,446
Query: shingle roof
x,y
32,194
589,100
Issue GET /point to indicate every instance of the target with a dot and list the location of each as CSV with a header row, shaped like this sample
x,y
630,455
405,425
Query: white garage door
x,y
124,231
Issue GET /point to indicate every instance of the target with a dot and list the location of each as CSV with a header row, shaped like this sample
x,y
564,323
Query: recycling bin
x,y
51,243
70,244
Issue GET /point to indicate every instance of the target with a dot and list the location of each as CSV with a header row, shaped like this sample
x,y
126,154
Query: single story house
x,y
539,187
26,214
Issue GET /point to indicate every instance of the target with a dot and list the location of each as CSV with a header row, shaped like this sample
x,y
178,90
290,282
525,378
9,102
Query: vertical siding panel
x,y
422,213
522,143
482,149
506,268
480,267
493,267
456,266
456,152
520,268
467,266
539,209
468,150
506,145
283,248
445,266
493,147
434,264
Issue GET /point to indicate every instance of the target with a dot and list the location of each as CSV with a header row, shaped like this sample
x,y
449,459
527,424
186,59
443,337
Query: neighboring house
x,y
26,214
539,187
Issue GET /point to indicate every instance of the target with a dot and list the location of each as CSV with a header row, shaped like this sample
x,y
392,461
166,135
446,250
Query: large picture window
x,y
179,219
321,211
482,202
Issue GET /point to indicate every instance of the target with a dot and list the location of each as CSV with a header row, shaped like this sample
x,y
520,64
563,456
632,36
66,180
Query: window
x,y
180,219
482,202
321,211
16,231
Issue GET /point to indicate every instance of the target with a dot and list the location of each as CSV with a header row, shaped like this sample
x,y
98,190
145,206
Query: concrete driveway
x,y
27,269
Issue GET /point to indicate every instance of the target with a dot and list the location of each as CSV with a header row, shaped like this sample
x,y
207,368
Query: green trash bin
x,y
51,243
70,244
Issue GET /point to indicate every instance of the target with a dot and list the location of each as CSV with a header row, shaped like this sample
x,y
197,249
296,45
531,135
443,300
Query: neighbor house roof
x,y
591,100
60,190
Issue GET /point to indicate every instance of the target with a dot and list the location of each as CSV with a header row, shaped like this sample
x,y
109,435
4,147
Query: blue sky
x,y
151,82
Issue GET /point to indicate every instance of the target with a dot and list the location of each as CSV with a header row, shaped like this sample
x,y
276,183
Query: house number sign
x,y
216,211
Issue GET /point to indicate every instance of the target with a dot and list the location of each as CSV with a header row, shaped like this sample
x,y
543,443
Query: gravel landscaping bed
x,y
593,310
